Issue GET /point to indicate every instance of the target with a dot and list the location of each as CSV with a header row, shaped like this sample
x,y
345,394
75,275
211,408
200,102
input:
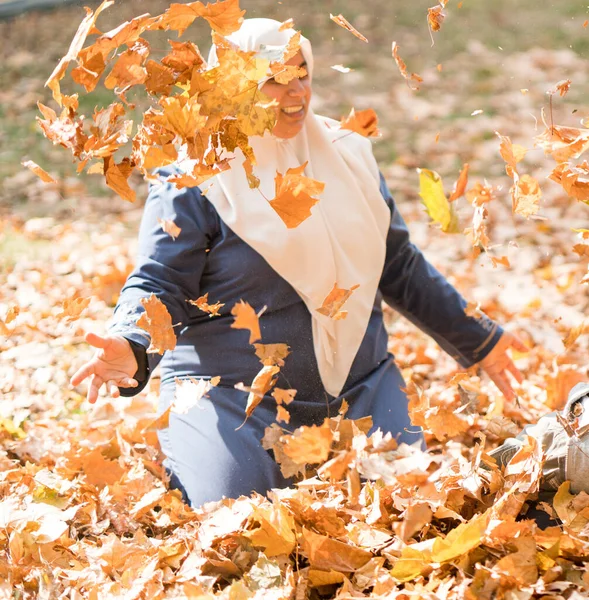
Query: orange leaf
x,y
170,227
282,415
328,554
203,304
252,180
272,354
309,444
564,143
156,320
414,77
117,177
261,385
283,396
526,195
288,24
246,318
460,185
72,308
334,301
574,179
38,171
294,196
435,17
129,70
501,260
562,87
224,16
190,391
575,333
364,122
343,22
511,154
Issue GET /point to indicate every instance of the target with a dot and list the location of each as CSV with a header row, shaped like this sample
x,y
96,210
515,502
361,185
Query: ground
x,y
81,496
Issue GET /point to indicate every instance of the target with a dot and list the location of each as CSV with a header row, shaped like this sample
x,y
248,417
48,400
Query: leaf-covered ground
x,y
84,512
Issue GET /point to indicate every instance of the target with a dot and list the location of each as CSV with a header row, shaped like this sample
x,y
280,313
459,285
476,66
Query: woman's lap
x,y
209,457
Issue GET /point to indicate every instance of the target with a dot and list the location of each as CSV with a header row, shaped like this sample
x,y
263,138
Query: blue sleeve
x,y
167,267
414,288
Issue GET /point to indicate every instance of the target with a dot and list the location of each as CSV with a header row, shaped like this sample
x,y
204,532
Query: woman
x,y
234,246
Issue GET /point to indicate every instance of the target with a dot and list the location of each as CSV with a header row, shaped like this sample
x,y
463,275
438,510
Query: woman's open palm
x,y
114,365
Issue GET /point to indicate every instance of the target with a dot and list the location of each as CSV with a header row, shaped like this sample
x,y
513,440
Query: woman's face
x,y
293,100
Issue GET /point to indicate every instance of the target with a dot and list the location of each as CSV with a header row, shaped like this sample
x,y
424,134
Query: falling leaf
x,y
263,382
156,320
500,260
413,80
288,24
309,444
574,333
189,392
295,196
117,178
72,308
460,186
526,196
562,87
272,354
170,227
364,122
246,318
224,16
563,143
334,301
343,22
38,171
436,204
282,415
480,194
203,304
435,17
511,154
283,396
341,68
574,179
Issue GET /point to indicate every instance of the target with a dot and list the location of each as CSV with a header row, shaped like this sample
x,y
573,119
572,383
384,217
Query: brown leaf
x,y
156,320
334,301
364,122
38,171
170,228
435,17
460,186
343,22
272,354
246,318
294,196
203,304
562,87
413,80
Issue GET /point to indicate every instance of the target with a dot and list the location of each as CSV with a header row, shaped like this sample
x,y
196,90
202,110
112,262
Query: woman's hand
x,y
498,363
114,365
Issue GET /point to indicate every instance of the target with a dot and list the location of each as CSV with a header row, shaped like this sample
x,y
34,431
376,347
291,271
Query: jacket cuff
x,y
143,371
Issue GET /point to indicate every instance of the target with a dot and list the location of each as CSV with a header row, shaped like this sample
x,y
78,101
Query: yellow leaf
x,y
275,532
437,206
461,539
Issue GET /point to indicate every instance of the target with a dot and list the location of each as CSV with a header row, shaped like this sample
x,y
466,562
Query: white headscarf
x,y
344,239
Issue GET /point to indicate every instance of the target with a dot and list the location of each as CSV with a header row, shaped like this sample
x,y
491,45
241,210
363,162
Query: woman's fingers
x,y
500,380
518,344
84,371
112,389
97,341
515,372
95,384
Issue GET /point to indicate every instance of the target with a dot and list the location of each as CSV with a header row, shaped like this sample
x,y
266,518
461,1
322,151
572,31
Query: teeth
x,y
292,109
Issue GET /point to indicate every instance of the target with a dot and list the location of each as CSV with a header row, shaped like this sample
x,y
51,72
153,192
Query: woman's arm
x,y
167,267
413,287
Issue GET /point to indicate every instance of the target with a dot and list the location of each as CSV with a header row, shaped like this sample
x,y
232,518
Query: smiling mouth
x,y
293,110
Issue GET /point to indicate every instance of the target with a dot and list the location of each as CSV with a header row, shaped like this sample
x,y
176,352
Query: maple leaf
x,y
76,45
574,333
563,143
562,87
325,553
253,181
413,80
117,178
334,301
283,396
38,171
203,304
189,392
156,320
480,194
511,154
72,308
343,22
574,179
223,16
460,185
170,227
309,444
246,318
526,195
435,17
436,204
364,122
263,382
294,196
288,24
282,415
272,354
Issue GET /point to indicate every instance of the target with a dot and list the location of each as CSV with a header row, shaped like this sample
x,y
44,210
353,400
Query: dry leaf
x,y
526,196
283,396
435,17
38,171
203,304
72,308
272,354
295,196
364,122
334,301
246,318
309,444
263,382
343,22
413,80
282,414
436,204
189,392
170,227
156,320
574,333
460,186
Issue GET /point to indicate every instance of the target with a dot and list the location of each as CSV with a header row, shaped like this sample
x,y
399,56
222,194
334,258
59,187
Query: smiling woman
x,y
353,247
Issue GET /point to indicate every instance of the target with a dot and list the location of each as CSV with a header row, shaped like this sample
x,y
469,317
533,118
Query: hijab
x,y
343,242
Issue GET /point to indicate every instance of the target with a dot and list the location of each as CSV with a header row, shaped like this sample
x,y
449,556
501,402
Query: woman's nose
x,y
296,87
